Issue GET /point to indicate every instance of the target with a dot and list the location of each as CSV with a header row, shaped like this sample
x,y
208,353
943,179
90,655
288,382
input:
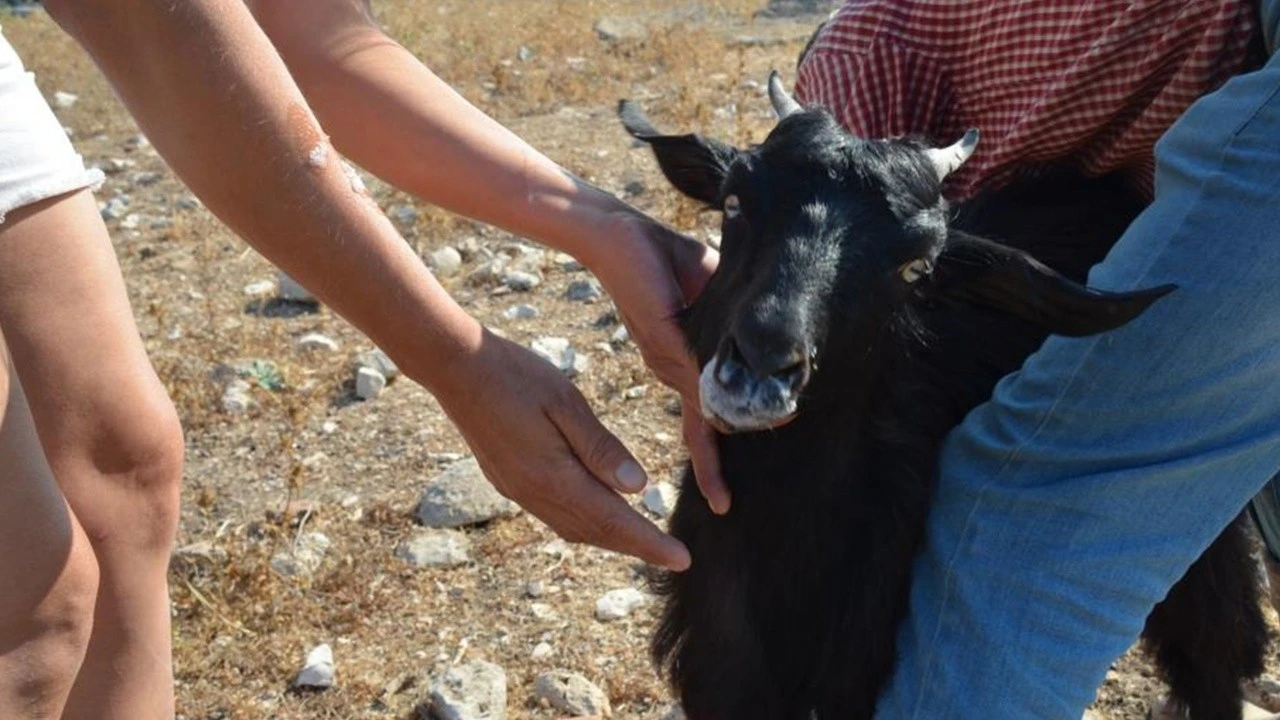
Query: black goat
x,y
859,325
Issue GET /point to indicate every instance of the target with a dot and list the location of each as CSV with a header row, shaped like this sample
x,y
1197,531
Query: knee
x,y
124,479
45,637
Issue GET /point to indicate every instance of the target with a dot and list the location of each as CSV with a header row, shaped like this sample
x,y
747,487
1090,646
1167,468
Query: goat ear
x,y
975,270
695,165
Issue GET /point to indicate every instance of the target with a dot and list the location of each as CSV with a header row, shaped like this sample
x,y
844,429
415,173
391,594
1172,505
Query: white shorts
x,y
36,157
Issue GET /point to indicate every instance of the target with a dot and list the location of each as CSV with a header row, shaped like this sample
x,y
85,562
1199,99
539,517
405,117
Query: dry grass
x,y
241,630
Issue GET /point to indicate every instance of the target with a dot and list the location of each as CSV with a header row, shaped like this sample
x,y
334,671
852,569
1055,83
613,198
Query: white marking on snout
x,y
765,403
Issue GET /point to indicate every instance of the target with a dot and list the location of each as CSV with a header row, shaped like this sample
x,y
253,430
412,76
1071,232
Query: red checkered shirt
x,y
1092,83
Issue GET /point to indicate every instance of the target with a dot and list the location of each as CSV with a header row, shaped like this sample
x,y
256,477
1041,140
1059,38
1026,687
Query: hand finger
x,y
704,452
603,455
604,519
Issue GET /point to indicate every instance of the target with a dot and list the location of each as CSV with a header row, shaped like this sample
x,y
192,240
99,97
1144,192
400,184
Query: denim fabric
x,y
1073,500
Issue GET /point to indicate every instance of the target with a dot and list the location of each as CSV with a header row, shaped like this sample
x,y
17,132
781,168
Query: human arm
x,y
218,104
396,118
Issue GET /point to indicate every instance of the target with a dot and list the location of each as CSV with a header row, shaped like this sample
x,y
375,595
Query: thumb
x,y
597,449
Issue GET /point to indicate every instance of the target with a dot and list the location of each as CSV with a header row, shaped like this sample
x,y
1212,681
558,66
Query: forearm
x,y
206,86
392,115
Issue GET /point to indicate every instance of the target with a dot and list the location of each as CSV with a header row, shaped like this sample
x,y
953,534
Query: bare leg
x,y
48,576
111,437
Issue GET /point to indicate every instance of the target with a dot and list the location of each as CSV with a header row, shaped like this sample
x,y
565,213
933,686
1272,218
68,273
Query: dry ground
x,y
240,630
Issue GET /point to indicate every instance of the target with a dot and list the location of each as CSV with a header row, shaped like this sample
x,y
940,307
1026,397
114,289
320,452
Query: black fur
x,y
793,601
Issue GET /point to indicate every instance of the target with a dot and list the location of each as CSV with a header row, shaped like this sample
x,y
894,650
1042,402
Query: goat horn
x,y
948,159
783,103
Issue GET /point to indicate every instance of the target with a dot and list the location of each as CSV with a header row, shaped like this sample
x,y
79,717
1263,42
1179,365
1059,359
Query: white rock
x,y
404,215
436,548
329,427
369,383
584,291
542,651
571,693
118,165
237,398
561,354
377,360
521,281
474,691
304,557
620,336
635,393
317,341
664,438
617,604
461,496
544,612
675,713
131,221
521,312
64,99
318,670
660,499
445,262
535,589
558,549
445,458
289,289
567,263
114,209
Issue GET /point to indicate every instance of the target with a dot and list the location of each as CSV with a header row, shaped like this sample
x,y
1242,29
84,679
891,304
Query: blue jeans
x,y
1072,501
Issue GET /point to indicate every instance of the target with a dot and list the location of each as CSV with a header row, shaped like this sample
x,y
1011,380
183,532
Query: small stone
x,y
131,221
617,604
289,289
469,248
664,438
616,29
524,54
304,558
542,651
237,398
521,312
187,202
317,341
490,271
378,360
635,393
143,179
634,188
436,548
660,499
318,670
543,612
571,693
115,208
369,383
521,281
137,142
64,100
585,291
474,691
675,713
535,589
118,165
160,223
329,427
445,262
567,263
461,496
444,458
558,548
620,336
561,354
404,216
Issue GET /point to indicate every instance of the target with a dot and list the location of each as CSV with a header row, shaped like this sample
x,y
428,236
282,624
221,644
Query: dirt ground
x,y
241,630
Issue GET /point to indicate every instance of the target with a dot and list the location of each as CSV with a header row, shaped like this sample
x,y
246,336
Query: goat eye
x,y
732,206
914,270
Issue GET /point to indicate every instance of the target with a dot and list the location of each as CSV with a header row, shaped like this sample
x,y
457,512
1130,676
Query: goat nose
x,y
787,363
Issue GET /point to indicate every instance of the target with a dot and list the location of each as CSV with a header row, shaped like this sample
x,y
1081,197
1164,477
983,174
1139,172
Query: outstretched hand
x,y
652,273
540,445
